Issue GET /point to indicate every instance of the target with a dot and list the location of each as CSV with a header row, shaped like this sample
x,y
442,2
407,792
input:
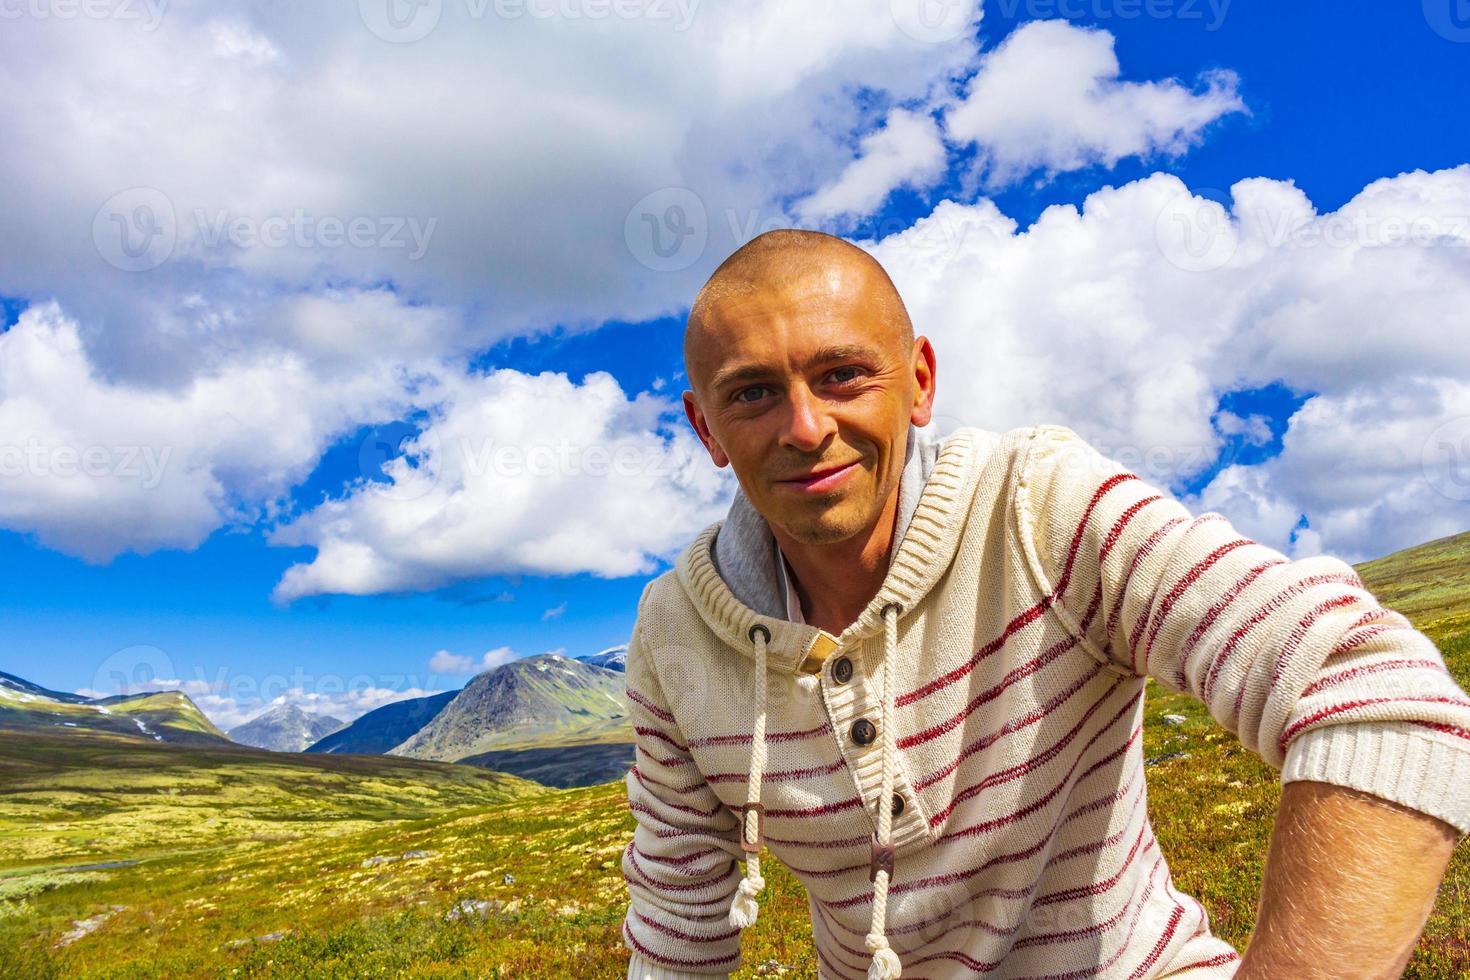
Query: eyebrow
x,y
756,372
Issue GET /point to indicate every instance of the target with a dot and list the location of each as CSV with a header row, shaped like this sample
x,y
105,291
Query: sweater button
x,y
898,804
864,731
842,670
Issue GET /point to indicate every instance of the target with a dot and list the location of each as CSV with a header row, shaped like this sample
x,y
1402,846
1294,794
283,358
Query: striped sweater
x,y
994,685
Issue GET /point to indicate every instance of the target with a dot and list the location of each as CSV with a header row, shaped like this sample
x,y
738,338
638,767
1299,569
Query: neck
x,y
836,581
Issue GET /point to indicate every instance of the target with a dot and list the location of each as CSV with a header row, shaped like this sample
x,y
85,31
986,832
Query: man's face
x,y
809,378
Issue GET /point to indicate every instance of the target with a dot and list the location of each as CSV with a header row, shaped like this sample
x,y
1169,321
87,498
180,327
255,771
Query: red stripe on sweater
x,y
1361,636
655,733
670,961
1148,611
649,706
1220,960
1035,761
668,930
641,877
1208,619
954,878
939,683
1177,591
681,790
738,739
1016,772
1315,716
1293,641
1076,546
1127,940
1011,677
1098,887
1010,728
1303,626
1255,619
1159,946
1144,550
1373,668
1447,729
675,861
681,807
780,776
672,760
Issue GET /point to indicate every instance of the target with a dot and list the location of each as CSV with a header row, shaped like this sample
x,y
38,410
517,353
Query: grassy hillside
x,y
75,798
349,896
166,716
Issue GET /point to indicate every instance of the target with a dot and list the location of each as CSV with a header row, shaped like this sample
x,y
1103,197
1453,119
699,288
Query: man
x,y
914,670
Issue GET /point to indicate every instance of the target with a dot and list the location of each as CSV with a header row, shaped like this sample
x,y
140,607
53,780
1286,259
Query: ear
x,y
701,429
924,380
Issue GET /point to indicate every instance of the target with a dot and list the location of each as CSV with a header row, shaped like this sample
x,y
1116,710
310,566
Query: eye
x,y
739,395
847,367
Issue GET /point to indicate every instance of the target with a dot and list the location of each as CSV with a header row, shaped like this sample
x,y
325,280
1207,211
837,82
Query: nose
x,y
808,424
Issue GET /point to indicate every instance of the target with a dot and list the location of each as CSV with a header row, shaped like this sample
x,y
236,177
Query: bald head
x,y
791,262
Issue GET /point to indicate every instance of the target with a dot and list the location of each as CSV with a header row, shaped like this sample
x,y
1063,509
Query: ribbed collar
x,y
923,555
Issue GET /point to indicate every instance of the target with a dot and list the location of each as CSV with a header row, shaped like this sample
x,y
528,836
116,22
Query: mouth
x,y
821,479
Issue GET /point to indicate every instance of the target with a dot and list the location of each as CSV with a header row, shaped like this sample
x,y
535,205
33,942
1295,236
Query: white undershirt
x,y
793,601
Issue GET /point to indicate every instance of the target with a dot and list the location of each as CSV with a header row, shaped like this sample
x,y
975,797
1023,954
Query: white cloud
x,y
1127,325
907,151
1050,99
300,115
516,474
555,612
1255,428
93,466
444,662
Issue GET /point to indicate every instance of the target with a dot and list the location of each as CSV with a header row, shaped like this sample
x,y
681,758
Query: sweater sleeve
x,y
1296,658
682,865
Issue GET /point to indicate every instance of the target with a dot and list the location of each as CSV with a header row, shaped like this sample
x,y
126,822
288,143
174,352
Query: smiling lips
x,y
823,479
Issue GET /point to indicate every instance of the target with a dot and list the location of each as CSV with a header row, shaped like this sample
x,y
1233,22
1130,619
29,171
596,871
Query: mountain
x,y
531,705
376,732
21,686
613,658
285,728
160,716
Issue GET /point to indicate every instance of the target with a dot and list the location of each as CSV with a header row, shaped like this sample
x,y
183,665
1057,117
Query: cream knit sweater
x,y
992,690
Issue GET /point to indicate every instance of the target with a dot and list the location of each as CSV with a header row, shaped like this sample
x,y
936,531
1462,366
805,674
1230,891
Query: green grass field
x,y
254,865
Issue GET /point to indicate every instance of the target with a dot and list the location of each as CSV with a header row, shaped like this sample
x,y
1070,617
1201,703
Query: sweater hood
x,y
926,539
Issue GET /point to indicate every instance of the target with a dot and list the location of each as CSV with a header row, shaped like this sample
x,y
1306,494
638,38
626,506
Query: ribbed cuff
x,y
1417,768
641,967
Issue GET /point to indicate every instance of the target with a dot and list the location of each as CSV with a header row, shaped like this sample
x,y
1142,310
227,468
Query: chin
x,y
826,526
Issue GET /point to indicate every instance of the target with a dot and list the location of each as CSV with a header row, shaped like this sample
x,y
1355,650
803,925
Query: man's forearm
x,y
1350,881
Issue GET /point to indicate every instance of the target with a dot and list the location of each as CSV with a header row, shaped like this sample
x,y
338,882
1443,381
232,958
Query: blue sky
x,y
1338,96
